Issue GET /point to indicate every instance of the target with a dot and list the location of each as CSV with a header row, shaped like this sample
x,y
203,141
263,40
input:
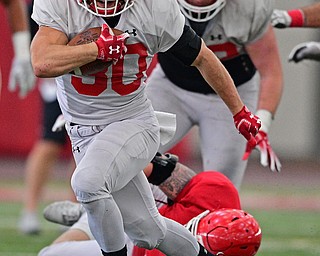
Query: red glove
x,y
111,47
267,155
247,124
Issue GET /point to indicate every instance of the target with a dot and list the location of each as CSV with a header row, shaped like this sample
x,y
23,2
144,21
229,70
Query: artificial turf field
x,y
287,208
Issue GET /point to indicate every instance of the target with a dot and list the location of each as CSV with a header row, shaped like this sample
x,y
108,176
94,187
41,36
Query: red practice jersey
x,y
209,190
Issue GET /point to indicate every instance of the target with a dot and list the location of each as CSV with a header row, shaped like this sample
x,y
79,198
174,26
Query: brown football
x,y
88,36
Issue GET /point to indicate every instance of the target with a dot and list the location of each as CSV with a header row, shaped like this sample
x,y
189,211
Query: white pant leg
x,y
106,162
108,159
146,227
78,248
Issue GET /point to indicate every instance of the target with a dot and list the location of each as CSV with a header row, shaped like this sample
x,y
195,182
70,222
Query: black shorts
x,y
51,111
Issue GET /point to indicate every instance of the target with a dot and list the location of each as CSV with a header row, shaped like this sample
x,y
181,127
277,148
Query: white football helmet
x,y
106,8
201,13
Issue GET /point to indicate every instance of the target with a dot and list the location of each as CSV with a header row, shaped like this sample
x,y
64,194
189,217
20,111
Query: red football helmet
x,y
227,232
201,13
106,8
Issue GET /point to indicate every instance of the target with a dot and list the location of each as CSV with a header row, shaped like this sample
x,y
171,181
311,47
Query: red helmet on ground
x,y
106,8
227,232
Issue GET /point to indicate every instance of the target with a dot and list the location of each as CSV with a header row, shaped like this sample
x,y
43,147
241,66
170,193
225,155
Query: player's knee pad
x,y
88,188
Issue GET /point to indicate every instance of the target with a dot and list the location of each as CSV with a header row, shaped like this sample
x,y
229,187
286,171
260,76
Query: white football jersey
x,y
118,92
240,22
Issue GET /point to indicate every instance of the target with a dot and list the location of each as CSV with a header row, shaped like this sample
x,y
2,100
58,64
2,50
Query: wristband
x,y
297,17
266,119
21,44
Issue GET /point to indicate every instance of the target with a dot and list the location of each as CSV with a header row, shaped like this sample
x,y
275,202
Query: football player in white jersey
x,y
21,74
111,123
308,17
241,36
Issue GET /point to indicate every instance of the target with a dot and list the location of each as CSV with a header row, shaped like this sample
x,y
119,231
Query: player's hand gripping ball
x,y
92,35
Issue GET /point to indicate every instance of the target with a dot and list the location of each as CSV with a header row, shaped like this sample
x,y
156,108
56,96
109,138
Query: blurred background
x,y
295,130
287,204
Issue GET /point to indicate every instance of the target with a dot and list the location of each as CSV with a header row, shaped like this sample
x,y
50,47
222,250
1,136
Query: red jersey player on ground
x,y
207,204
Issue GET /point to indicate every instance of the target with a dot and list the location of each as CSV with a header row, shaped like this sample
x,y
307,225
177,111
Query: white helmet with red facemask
x,y
106,8
228,232
200,13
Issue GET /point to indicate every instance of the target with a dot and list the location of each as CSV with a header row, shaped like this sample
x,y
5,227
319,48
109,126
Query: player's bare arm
x,y
16,15
311,15
178,179
166,172
264,54
51,56
21,75
218,78
191,50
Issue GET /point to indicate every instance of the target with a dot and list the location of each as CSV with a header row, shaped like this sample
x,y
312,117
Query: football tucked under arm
x,y
88,36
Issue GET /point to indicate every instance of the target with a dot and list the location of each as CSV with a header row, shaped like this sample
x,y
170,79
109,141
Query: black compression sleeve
x,y
187,48
163,165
